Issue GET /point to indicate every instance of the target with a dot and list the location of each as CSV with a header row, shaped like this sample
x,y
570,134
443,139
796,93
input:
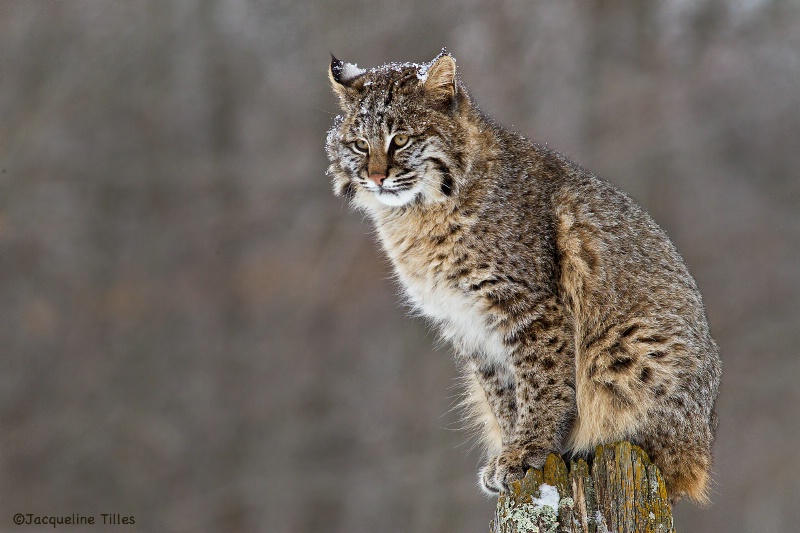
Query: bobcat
x,y
574,318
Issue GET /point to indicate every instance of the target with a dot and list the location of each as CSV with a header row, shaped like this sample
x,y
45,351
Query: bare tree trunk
x,y
623,492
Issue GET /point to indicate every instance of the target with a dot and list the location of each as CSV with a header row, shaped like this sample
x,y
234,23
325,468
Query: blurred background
x,y
196,333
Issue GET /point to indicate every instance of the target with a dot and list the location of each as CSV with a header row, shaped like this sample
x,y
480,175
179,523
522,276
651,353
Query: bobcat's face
x,y
385,159
395,144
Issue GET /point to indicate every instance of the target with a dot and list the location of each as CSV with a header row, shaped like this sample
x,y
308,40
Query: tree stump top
x,y
622,492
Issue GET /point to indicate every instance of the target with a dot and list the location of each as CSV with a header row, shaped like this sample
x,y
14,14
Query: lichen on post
x,y
622,492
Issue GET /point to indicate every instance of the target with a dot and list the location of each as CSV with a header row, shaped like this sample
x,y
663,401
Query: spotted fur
x,y
572,314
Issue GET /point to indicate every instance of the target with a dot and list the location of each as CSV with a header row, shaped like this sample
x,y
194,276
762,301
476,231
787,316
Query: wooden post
x,y
623,492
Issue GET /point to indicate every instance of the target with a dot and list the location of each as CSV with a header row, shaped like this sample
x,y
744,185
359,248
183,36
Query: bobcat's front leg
x,y
493,404
544,363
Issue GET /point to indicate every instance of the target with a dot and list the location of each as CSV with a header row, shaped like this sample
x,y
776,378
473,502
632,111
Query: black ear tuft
x,y
344,74
337,67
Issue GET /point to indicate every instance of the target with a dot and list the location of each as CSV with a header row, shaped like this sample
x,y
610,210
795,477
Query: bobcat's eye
x,y
361,146
400,140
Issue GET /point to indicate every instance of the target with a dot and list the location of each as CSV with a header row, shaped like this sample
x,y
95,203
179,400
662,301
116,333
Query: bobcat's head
x,y
401,139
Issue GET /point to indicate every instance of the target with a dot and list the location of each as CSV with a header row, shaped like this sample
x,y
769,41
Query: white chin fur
x,y
396,199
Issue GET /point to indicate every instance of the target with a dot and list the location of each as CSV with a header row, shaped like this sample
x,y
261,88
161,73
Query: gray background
x,y
196,333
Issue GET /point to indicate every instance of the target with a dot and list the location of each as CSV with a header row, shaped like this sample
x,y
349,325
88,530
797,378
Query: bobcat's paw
x,y
509,466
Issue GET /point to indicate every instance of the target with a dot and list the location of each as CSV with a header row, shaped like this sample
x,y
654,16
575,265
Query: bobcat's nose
x,y
377,178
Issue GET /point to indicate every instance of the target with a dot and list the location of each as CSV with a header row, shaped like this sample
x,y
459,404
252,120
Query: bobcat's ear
x,y
343,78
440,78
